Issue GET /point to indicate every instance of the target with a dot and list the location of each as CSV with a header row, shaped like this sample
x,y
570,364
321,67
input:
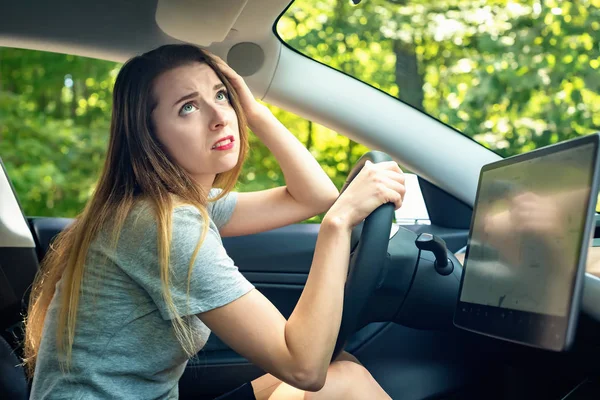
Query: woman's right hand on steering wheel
x,y
375,185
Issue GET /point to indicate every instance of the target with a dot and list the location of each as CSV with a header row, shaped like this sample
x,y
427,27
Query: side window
x,y
55,112
413,210
337,154
54,124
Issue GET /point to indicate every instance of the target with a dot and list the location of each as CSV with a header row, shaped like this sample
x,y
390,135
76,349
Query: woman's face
x,y
195,122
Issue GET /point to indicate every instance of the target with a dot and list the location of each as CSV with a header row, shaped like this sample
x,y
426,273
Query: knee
x,y
351,372
345,380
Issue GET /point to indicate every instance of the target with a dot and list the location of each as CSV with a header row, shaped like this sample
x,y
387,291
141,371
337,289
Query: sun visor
x,y
201,22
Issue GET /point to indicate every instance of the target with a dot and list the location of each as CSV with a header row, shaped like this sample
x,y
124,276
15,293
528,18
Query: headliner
x,y
119,29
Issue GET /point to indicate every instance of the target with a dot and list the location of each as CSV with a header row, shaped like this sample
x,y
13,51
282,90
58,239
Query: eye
x,y
222,95
187,109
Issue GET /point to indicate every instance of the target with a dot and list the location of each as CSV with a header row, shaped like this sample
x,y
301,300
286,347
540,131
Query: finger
x,y
522,197
394,185
368,170
225,68
527,204
530,197
389,165
371,170
540,211
216,58
395,198
389,179
521,214
532,218
535,227
387,195
396,176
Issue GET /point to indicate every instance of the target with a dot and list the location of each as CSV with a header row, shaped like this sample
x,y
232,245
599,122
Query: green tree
x,y
54,121
514,75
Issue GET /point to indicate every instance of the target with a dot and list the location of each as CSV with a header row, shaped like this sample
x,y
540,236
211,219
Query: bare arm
x,y
306,181
298,351
309,190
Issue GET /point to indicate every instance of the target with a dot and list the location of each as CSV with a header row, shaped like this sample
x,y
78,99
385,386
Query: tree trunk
x,y
408,78
309,138
74,99
349,158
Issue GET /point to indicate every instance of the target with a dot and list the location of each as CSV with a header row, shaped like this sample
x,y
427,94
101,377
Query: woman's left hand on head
x,y
251,107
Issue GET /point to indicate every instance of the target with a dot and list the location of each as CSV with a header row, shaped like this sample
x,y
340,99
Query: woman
x,y
134,287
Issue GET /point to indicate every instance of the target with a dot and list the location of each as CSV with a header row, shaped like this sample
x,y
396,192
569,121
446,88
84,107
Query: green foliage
x,y
514,75
54,136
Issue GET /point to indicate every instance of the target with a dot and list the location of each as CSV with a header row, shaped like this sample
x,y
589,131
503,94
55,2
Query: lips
x,y
225,143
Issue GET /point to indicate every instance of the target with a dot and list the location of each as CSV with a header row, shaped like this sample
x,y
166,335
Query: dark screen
x,y
527,231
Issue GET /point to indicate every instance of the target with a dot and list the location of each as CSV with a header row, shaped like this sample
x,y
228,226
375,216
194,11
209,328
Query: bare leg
x,y
346,379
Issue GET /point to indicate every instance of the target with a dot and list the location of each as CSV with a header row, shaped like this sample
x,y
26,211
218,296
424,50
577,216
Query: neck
x,y
205,181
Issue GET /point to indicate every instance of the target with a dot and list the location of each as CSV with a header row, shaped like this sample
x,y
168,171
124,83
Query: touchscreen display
x,y
526,233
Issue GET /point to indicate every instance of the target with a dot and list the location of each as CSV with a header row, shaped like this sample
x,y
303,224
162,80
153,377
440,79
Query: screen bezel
x,y
520,326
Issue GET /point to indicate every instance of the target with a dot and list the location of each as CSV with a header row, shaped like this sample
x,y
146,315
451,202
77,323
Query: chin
x,y
227,164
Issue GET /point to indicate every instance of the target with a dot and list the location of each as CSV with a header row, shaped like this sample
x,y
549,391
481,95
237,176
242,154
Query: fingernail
x,y
368,162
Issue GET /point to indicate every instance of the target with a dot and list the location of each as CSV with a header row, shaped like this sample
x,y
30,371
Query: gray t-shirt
x,y
125,347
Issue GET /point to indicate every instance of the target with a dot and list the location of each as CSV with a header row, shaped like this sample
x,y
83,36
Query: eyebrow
x,y
195,94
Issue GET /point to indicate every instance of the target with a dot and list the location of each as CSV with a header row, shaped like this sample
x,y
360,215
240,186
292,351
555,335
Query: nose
x,y
218,118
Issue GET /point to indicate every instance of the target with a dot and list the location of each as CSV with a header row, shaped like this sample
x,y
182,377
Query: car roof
x,y
116,29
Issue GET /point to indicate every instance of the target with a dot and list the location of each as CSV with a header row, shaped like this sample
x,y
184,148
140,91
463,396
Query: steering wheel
x,y
366,262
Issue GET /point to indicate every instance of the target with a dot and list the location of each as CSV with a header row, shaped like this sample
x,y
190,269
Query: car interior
x,y
403,333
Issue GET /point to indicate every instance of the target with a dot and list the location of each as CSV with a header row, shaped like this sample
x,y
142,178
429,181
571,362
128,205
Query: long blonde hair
x,y
136,167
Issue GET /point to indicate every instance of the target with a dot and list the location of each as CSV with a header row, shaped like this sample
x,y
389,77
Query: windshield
x,y
513,75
